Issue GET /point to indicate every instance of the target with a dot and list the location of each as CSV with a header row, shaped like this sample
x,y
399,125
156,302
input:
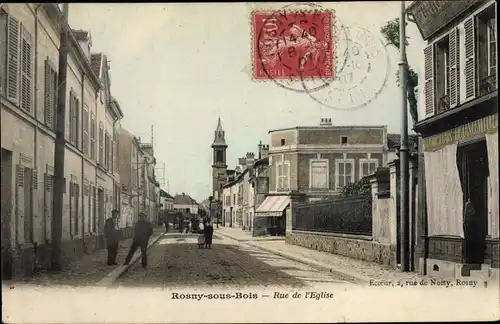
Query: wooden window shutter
x,y
35,179
429,80
48,97
470,59
86,130
454,67
13,59
26,71
20,175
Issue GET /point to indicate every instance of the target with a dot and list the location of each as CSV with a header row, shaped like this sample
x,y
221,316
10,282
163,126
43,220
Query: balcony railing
x,y
487,84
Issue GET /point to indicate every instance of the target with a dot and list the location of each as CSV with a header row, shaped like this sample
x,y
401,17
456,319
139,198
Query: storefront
x,y
270,216
461,165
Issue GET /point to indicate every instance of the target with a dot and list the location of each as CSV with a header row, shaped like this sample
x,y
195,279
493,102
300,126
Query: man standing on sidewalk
x,y
112,234
142,232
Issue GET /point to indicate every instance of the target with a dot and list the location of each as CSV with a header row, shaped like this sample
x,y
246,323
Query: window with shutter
x,y
454,64
279,175
286,175
429,80
3,52
486,51
50,98
93,127
470,59
101,144
26,71
442,60
13,59
319,174
78,109
86,130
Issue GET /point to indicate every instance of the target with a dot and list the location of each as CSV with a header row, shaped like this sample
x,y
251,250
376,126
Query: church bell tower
x,y
219,166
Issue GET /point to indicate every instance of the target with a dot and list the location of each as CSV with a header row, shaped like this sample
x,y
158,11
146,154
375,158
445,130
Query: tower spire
x,y
219,135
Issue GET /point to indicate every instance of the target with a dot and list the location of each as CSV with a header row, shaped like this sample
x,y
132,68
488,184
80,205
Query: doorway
x,y
6,212
472,161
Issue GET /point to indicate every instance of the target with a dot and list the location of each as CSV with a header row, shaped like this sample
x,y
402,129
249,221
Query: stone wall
x,y
362,248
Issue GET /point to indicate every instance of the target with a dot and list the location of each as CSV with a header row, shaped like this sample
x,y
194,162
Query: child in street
x,y
201,236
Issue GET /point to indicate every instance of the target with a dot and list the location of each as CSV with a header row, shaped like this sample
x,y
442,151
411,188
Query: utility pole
x,y
403,157
60,143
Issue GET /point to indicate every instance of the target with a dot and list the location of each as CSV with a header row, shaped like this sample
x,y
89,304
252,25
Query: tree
x,y
390,31
361,188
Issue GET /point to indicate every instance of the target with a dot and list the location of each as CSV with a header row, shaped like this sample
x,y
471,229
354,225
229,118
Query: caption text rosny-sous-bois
x,y
247,296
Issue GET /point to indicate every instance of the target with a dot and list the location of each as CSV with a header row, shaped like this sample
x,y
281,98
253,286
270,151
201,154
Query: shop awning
x,y
272,206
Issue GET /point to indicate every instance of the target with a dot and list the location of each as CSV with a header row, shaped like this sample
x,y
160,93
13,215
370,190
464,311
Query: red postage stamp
x,y
293,45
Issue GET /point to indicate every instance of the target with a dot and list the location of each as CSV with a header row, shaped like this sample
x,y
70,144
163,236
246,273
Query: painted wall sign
x,y
481,126
431,16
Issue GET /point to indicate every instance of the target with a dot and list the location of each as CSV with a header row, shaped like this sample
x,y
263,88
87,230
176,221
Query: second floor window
x,y
344,172
107,151
74,124
50,95
101,144
283,176
86,126
442,81
486,50
319,174
93,130
367,167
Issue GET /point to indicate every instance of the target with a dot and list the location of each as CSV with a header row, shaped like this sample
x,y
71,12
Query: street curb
x,y
120,270
358,279
245,240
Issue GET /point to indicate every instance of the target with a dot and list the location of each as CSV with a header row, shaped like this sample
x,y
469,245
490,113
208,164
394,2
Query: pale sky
x,y
180,66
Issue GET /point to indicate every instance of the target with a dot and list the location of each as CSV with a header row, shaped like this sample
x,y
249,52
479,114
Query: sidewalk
x,y
349,269
239,234
88,270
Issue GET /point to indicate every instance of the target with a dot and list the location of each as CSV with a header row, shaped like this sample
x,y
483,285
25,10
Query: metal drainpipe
x,y
83,167
35,153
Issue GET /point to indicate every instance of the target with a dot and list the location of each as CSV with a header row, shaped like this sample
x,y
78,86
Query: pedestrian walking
x,y
112,235
209,233
142,232
166,226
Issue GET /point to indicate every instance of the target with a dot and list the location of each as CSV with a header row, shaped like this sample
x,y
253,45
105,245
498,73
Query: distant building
x,y
184,203
166,201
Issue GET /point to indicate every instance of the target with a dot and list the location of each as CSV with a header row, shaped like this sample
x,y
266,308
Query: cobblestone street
x,y
84,271
176,261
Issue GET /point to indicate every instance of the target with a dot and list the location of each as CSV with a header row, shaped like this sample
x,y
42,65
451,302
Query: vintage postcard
x,y
249,162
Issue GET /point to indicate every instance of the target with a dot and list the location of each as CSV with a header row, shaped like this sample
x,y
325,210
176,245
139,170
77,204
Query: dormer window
x,y
282,141
343,140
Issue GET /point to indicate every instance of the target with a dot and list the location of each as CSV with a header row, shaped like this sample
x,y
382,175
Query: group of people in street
x,y
142,232
205,234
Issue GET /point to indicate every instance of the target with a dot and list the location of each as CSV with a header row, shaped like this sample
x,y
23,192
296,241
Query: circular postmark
x,y
295,45
361,75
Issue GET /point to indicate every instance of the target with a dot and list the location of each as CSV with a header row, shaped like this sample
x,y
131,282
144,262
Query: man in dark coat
x,y
208,229
112,234
142,232
473,234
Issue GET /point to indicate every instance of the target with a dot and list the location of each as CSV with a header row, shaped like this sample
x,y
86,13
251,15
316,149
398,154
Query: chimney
x,y
241,161
260,150
250,159
237,169
326,122
264,151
